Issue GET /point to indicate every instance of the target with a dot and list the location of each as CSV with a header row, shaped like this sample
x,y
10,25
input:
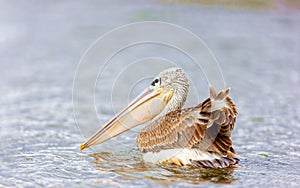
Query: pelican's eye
x,y
156,82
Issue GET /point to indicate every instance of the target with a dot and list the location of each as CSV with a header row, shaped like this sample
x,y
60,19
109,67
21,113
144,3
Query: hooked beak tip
x,y
83,146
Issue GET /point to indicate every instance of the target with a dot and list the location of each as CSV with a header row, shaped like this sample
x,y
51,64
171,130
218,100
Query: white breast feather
x,y
183,154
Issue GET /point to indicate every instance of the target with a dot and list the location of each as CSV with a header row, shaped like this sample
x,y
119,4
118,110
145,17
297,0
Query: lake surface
x,y
42,43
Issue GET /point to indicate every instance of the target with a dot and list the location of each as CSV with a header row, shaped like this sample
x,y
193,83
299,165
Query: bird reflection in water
x,y
130,166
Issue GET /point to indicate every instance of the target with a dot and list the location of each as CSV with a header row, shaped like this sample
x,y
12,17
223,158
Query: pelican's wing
x,y
207,126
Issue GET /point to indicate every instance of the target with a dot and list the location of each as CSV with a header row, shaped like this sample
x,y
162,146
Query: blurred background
x,y
257,44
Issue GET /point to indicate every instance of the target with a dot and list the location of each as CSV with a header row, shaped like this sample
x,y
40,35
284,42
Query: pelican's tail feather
x,y
222,162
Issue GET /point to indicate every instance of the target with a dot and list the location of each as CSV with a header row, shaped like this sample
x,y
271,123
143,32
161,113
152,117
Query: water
x,y
42,42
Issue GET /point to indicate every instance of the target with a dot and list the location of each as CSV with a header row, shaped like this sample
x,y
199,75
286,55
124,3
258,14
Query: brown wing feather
x,y
196,127
177,129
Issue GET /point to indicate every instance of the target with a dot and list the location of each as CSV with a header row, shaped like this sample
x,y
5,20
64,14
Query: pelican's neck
x,y
178,99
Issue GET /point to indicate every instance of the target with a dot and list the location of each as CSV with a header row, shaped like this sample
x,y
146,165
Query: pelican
x,y
197,136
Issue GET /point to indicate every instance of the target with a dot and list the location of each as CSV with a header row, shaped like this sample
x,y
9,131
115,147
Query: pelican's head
x,y
167,92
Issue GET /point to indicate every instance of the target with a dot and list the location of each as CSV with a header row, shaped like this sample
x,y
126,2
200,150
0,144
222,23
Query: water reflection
x,y
130,166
